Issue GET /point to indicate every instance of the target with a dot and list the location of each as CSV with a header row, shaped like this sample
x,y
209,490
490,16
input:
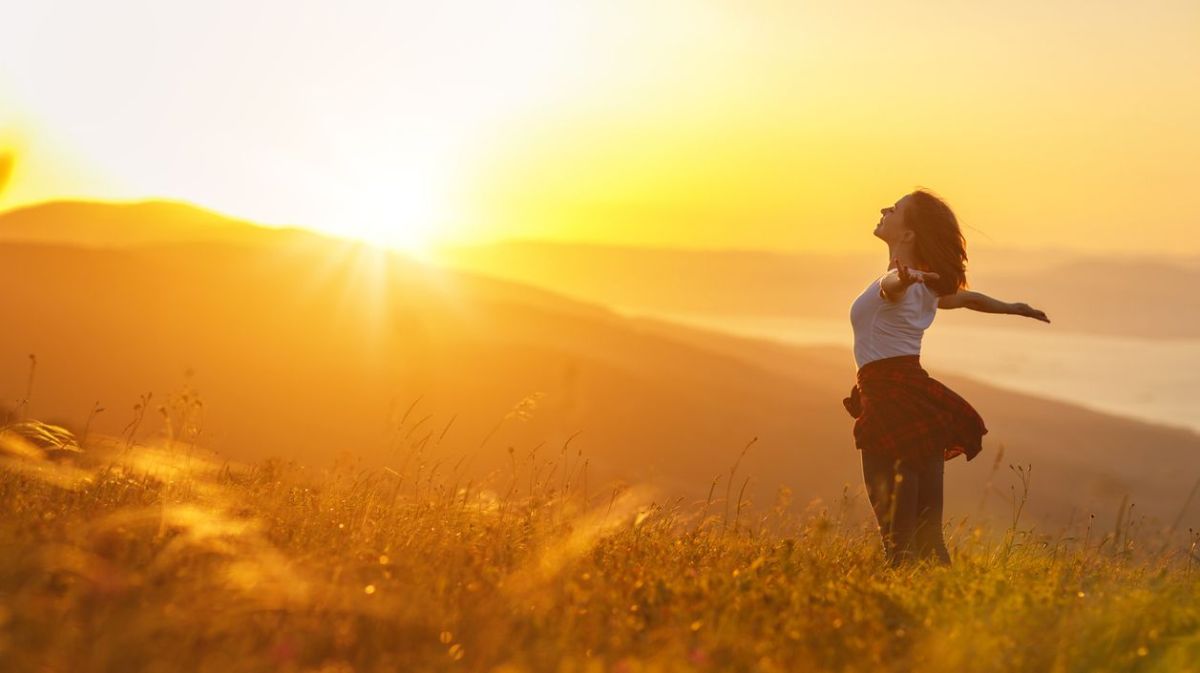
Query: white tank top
x,y
884,329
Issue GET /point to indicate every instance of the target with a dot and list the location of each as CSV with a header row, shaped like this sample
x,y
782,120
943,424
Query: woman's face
x,y
891,225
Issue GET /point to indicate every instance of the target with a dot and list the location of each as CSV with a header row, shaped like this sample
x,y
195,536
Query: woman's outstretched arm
x,y
978,301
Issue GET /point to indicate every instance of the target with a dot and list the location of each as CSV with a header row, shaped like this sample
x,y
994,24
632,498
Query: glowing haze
x,y
763,124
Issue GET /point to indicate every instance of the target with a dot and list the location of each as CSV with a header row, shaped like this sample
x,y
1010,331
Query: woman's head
x,y
923,221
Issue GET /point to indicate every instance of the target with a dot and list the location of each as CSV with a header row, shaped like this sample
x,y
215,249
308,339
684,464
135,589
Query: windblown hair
x,y
939,243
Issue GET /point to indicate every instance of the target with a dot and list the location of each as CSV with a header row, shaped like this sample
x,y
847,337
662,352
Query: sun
x,y
407,227
389,211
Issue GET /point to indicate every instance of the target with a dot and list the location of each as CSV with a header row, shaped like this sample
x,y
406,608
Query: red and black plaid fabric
x,y
901,411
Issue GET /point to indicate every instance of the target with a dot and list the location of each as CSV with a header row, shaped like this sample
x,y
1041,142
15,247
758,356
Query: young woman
x,y
907,424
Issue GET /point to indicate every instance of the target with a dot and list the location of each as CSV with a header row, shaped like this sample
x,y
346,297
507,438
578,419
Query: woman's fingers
x,y
909,275
1031,312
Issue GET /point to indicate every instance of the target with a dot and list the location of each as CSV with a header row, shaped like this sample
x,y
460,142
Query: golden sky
x,y
764,124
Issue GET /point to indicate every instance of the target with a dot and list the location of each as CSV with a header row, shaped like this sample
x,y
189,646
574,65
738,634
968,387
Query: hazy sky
x,y
753,124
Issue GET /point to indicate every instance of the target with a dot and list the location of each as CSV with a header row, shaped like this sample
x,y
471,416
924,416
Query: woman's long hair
x,y
940,244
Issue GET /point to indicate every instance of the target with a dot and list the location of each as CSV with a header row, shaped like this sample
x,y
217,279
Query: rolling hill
x,y
308,348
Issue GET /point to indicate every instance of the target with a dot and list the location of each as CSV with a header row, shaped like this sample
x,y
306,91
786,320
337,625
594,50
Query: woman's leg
x,y
928,535
892,487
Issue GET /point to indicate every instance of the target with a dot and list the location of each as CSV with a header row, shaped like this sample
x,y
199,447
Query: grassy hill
x,y
153,557
284,452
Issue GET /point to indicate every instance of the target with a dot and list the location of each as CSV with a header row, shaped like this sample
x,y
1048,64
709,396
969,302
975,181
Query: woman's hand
x,y
909,276
1028,311
892,287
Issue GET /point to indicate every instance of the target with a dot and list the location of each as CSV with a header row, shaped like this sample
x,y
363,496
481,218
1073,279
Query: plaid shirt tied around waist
x,y
901,411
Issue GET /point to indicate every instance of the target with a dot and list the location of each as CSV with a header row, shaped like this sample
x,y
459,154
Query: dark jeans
x,y
906,495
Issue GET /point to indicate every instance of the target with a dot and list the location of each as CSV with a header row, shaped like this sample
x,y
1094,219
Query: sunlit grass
x,y
151,555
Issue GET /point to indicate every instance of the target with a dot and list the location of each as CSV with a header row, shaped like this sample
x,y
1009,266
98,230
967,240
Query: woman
x,y
907,424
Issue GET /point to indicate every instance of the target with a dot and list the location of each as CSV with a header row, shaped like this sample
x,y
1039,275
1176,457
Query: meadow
x,y
151,554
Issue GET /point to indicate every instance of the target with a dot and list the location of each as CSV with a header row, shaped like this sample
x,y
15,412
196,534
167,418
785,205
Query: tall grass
x,y
154,556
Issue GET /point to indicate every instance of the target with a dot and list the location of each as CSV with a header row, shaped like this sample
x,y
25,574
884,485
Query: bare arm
x,y
978,301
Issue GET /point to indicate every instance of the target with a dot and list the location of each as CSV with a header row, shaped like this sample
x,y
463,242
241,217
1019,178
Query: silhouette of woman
x,y
908,424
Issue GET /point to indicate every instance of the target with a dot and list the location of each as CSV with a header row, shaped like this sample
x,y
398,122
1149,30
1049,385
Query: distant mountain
x,y
306,349
1101,294
115,225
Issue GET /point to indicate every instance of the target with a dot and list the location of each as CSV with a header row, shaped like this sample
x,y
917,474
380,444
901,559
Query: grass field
x,y
152,556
